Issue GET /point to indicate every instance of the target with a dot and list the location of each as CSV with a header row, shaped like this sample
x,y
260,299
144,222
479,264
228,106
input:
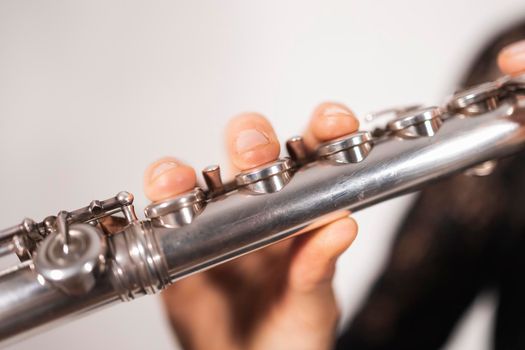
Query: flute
x,y
100,254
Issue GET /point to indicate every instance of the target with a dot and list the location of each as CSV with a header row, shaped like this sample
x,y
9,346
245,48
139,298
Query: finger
x,y
329,120
168,177
251,141
324,220
313,261
193,306
511,60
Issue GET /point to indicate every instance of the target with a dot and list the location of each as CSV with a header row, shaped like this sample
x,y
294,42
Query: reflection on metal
x,y
352,148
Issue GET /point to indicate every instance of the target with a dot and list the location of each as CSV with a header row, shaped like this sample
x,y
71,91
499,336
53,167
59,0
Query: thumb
x,y
308,309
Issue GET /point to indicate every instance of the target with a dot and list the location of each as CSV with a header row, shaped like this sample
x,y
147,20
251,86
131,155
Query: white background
x,y
92,91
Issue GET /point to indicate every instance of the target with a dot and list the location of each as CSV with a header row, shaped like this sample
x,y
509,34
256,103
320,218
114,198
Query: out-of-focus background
x,y
91,92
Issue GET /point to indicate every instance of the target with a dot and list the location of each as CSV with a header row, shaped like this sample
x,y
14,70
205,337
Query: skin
x,y
280,297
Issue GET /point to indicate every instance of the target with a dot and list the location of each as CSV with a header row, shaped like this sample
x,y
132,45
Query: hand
x,y
280,297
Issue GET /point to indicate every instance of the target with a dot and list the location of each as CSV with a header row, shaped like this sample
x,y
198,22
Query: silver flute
x,y
80,260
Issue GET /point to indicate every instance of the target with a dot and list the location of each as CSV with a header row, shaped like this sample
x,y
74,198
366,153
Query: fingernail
x,y
515,48
249,139
334,111
162,168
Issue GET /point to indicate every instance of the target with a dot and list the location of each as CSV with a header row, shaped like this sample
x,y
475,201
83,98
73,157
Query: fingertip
x,y
251,141
511,59
331,120
168,177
